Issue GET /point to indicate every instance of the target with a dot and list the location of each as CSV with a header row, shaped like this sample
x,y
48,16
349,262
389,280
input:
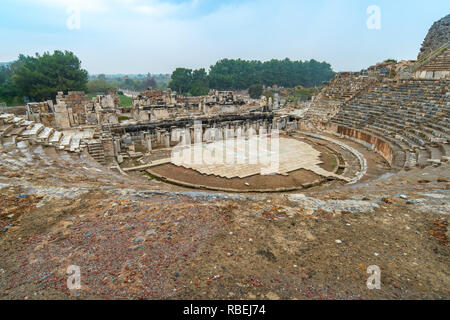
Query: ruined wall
x,y
432,75
377,144
62,119
76,100
41,112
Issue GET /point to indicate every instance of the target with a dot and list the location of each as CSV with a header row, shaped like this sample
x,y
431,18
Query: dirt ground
x,y
257,182
138,244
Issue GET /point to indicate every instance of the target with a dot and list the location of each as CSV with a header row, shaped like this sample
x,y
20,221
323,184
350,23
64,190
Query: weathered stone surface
x,y
438,35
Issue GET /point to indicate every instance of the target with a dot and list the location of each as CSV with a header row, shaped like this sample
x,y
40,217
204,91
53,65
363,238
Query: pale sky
x,y
156,36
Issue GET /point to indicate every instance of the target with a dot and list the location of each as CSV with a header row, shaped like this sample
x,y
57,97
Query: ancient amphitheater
x,y
283,203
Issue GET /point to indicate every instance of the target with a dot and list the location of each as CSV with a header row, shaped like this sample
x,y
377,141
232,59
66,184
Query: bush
x,y
256,91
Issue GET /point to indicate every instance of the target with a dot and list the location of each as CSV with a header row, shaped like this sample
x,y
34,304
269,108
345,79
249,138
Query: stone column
x,y
229,133
262,131
191,134
158,136
239,131
198,133
148,141
188,136
116,143
219,135
173,134
166,140
207,135
279,124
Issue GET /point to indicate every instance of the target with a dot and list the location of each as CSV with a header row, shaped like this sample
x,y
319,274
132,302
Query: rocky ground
x,y
135,243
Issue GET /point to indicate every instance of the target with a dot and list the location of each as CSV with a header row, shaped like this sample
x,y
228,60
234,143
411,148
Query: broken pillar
x,y
166,140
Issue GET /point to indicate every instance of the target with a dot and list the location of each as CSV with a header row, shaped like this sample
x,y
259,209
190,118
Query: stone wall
x,y
377,144
75,109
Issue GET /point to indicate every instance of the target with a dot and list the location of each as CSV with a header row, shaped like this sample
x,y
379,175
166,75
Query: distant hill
x,y
131,76
5,63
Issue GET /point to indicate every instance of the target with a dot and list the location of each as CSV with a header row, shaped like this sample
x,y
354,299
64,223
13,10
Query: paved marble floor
x,y
240,158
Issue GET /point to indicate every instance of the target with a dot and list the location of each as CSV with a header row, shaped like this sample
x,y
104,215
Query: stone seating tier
x,y
411,114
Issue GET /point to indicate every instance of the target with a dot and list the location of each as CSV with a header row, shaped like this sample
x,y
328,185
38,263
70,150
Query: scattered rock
x,y
415,201
272,296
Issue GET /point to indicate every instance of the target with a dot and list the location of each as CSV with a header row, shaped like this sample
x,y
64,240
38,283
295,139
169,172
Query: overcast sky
x,y
156,36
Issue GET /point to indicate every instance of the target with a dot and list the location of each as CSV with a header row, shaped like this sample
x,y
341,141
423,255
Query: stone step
x,y
17,121
5,129
33,131
15,131
45,134
436,153
55,137
422,156
6,117
445,149
65,141
75,145
27,123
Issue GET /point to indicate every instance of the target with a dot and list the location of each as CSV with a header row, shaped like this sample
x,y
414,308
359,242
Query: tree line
x,y
237,74
40,77
102,83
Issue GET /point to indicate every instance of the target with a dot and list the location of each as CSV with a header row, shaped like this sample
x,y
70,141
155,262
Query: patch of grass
x,y
125,102
93,95
150,176
123,118
333,163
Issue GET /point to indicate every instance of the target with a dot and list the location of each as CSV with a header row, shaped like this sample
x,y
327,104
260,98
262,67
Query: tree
x,y
99,86
269,94
256,91
41,77
8,93
200,85
148,82
181,80
129,84
228,74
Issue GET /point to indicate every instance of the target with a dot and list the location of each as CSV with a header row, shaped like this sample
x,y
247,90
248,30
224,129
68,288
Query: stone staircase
x,y
440,62
340,92
32,152
95,149
15,130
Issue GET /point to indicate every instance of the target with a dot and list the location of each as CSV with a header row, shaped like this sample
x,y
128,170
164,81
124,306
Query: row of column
x,y
228,131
